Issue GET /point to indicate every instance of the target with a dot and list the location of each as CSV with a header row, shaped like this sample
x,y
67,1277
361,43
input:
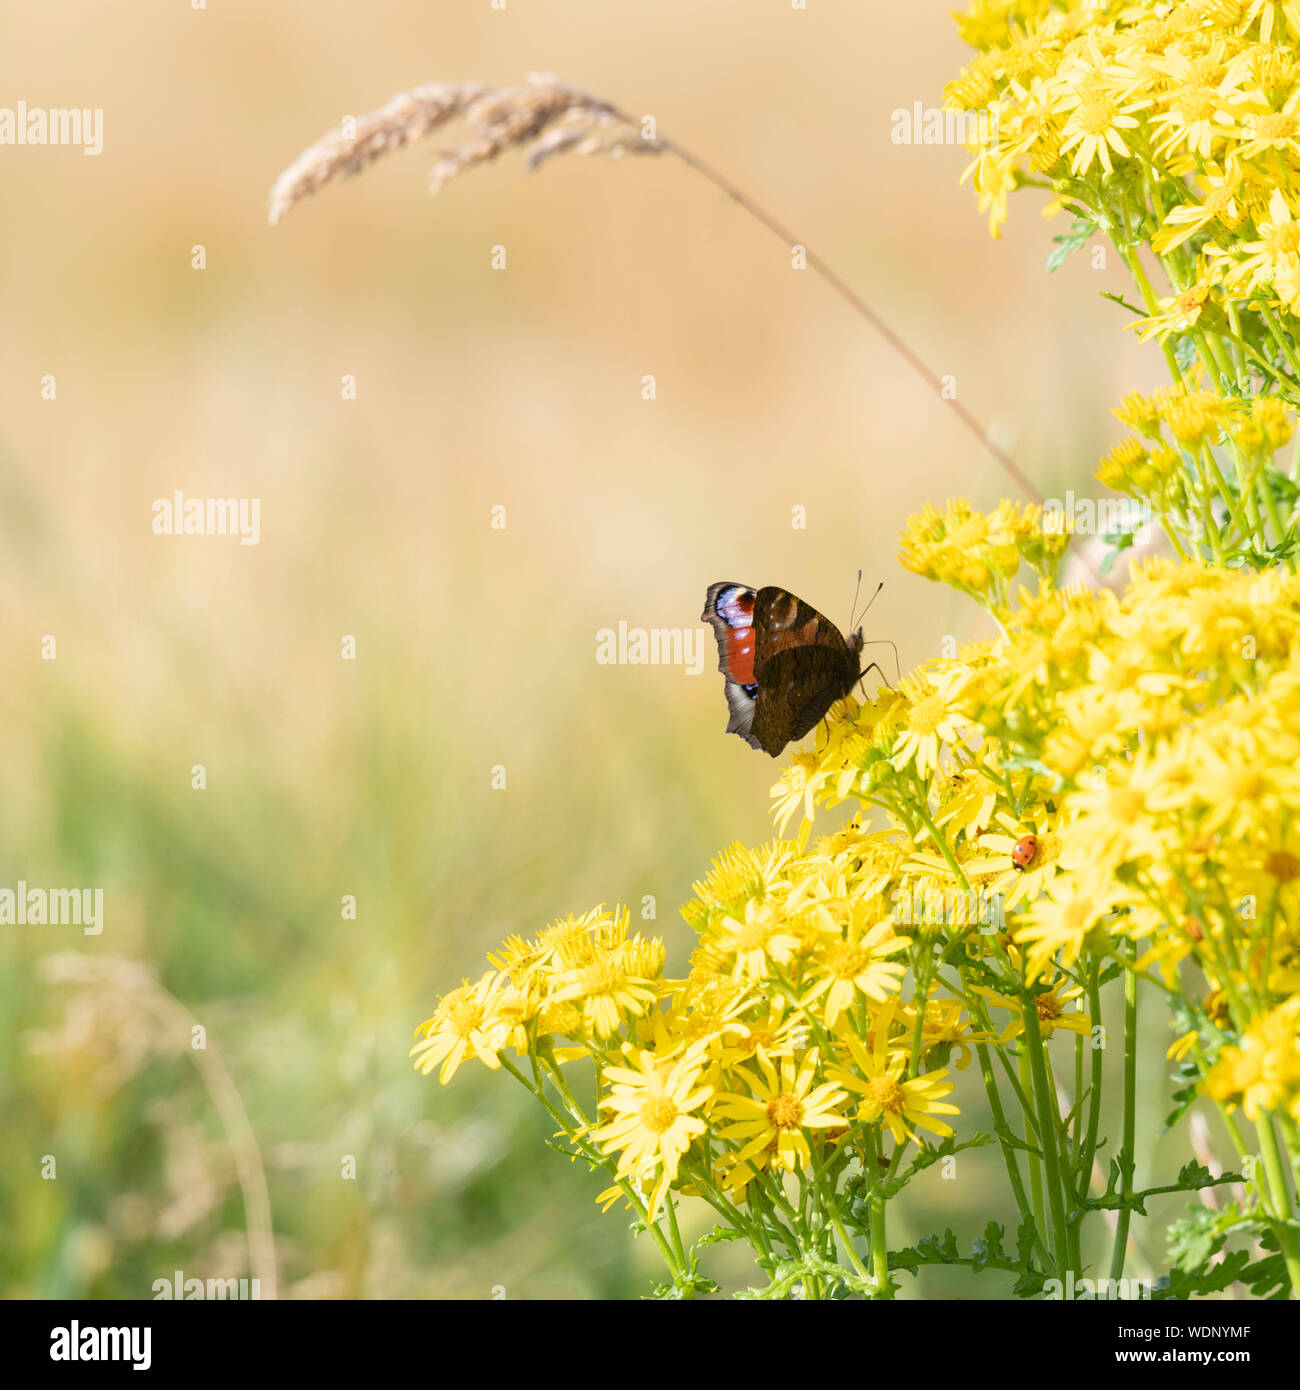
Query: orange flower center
x,y
1096,114
1195,104
759,1037
753,935
1283,238
785,1111
1192,299
885,1092
1219,203
658,1114
845,960
1277,125
465,1018
601,978
1282,865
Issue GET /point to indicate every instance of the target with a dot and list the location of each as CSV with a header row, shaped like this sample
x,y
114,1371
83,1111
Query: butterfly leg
x,y
862,677
885,642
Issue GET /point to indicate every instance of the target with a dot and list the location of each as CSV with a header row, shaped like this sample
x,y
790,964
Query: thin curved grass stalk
x,y
127,977
547,117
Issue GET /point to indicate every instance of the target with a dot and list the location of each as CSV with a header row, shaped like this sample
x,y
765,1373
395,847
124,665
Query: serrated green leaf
x,y
717,1234
1207,1279
1067,243
1197,1237
1016,1142
929,1250
1184,1098
1029,1284
988,1247
1184,352
927,1157
1193,1175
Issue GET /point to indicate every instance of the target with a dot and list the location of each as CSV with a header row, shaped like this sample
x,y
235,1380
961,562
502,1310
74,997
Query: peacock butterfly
x,y
784,664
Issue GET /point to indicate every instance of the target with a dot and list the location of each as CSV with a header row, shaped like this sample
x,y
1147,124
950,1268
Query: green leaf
x,y
567,1150
1284,489
987,1252
1122,302
1193,1175
1268,1278
987,1248
1068,1120
1185,352
929,1250
1067,244
719,1233
1016,1142
1200,1237
927,1157
1268,556
1118,542
1029,1284
1207,1279
1185,1095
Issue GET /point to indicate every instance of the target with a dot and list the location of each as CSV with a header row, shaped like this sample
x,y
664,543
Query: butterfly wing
x,y
802,665
729,611
796,687
783,622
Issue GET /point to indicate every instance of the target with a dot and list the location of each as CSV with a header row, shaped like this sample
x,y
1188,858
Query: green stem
x,y
1120,1248
1275,328
1062,1138
880,1248
1088,1153
1000,1124
1048,1121
680,1251
1287,1237
828,1198
1035,1161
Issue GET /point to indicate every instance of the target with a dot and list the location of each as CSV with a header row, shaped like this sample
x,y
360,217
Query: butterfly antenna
x,y
853,624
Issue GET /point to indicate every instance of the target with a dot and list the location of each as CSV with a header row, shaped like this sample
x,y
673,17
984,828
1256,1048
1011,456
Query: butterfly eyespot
x,y
1024,852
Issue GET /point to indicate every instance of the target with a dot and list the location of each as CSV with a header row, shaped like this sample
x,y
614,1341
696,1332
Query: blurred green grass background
x,y
475,647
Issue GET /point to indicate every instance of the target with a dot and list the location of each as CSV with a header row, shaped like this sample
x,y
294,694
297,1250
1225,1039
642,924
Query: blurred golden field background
x,y
475,647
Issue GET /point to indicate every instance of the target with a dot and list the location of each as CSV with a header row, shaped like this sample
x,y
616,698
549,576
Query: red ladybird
x,y
1022,855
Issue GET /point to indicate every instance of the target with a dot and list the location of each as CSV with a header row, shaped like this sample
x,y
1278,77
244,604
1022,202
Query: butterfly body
x,y
784,663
